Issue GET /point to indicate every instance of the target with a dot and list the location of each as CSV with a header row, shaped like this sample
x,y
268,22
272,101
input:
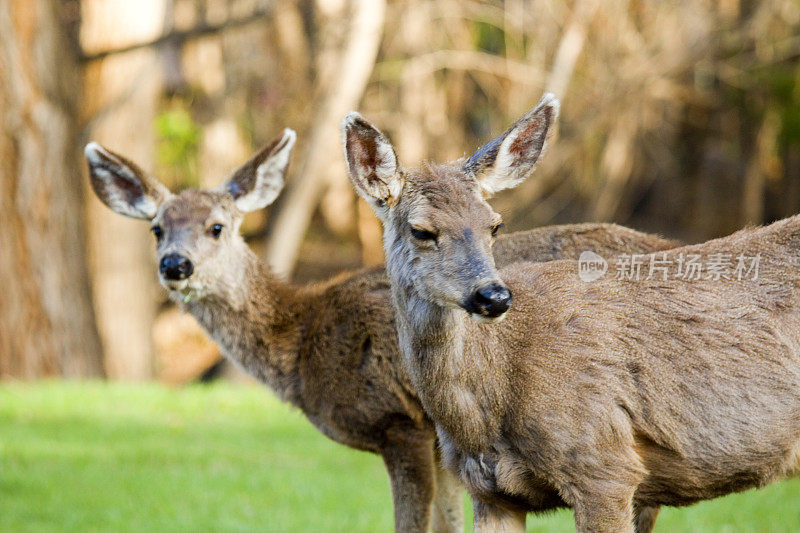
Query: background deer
x,y
612,397
330,349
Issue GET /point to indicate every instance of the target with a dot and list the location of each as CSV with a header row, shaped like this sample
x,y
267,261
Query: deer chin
x,y
181,290
176,285
480,319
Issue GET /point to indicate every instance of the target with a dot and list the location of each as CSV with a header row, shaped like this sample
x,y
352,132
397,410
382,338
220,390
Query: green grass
x,y
114,457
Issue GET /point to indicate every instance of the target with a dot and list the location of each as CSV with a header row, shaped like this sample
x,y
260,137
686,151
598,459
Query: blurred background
x,y
678,117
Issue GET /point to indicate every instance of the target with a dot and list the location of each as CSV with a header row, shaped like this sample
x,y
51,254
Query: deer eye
x,y
216,229
158,232
497,228
423,235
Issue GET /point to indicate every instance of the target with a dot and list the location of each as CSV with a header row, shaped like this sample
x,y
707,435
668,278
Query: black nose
x,y
491,301
176,267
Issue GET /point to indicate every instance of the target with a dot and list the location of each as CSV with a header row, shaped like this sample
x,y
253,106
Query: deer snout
x,y
490,301
176,267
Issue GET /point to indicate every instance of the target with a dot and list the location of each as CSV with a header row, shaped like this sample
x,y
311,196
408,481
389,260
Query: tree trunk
x,y
339,93
120,111
47,325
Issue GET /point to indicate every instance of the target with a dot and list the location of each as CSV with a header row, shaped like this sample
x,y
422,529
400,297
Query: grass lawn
x,y
113,457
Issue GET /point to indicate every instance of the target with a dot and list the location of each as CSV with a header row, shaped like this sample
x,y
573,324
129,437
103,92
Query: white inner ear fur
x,y
508,171
269,177
389,183
142,207
386,170
146,207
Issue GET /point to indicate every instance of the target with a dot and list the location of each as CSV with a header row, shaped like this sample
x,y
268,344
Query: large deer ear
x,y
257,183
508,159
122,185
371,162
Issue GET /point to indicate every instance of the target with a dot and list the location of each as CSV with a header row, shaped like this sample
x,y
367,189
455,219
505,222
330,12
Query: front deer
x,y
330,349
612,397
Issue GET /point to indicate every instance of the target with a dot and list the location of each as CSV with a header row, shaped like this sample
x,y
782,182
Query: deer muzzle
x,y
175,267
490,301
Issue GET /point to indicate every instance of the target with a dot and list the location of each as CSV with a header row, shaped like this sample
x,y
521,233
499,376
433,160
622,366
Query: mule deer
x,y
330,348
612,397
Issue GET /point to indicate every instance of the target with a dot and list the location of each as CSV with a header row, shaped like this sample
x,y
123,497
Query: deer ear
x,y
508,159
371,162
122,185
257,183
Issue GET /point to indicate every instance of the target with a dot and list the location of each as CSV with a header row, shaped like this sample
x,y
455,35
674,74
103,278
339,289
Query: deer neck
x,y
457,379
253,316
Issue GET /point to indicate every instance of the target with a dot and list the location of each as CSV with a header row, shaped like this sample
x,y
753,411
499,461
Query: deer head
x,y
438,226
197,231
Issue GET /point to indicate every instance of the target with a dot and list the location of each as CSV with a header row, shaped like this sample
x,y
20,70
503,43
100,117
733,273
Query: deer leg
x,y
604,513
409,461
645,518
495,519
448,503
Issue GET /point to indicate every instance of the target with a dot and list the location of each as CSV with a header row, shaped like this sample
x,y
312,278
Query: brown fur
x,y
635,393
613,397
331,348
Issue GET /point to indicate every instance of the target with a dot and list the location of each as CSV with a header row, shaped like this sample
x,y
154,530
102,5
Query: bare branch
x,y
466,60
322,147
200,30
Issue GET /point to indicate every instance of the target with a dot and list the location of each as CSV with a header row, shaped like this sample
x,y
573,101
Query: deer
x,y
612,397
330,348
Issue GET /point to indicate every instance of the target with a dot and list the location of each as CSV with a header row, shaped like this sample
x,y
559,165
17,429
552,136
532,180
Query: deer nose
x,y
176,267
491,301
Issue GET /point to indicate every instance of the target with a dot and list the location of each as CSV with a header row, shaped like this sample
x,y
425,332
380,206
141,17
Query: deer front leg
x,y
609,512
409,461
645,518
448,503
494,519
